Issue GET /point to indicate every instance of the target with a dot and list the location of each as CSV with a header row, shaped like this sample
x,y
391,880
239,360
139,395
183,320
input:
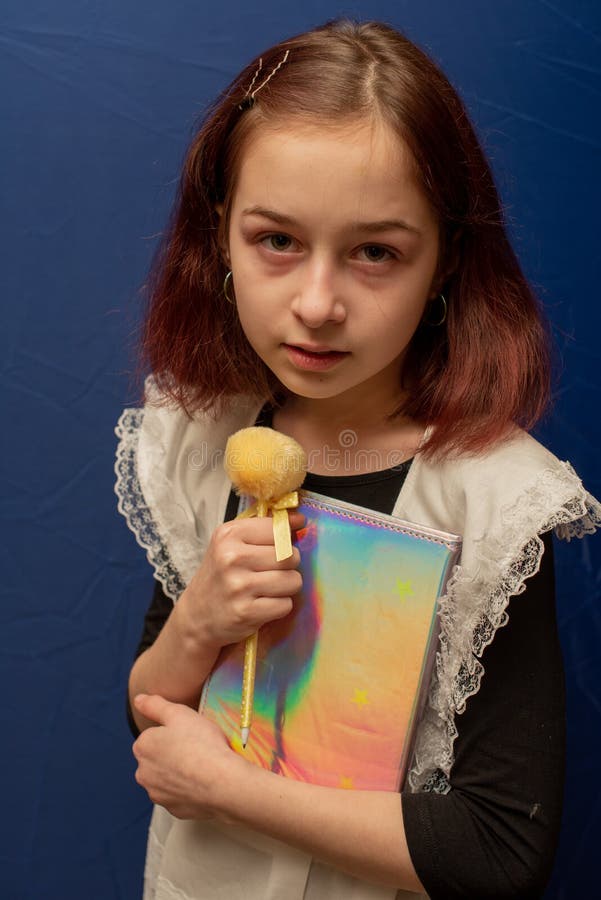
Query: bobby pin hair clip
x,y
249,97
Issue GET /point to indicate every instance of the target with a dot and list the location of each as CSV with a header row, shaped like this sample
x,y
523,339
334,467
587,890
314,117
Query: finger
x,y
154,707
234,556
268,609
296,519
260,531
262,559
252,531
275,584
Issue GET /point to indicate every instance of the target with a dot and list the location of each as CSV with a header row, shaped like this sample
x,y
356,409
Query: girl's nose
x,y
318,299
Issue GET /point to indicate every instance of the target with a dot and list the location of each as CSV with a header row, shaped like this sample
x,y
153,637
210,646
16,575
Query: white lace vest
x,y
173,491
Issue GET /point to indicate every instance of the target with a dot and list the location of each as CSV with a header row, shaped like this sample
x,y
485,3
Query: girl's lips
x,y
315,362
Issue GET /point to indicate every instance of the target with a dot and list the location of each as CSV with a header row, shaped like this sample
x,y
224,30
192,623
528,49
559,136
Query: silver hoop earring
x,y
443,316
226,283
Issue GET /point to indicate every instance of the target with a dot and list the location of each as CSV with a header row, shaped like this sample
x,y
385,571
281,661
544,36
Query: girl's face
x,y
333,249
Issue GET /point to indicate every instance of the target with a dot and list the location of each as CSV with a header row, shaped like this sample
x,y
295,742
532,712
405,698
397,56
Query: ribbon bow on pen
x,y
281,524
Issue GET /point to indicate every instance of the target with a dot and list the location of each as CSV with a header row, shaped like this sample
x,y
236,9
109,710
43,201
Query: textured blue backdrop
x,y
98,105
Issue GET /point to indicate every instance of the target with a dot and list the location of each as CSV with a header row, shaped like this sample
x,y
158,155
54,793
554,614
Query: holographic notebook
x,y
341,681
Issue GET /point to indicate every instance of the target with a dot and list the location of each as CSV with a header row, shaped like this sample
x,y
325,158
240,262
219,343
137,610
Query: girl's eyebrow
x,y
375,227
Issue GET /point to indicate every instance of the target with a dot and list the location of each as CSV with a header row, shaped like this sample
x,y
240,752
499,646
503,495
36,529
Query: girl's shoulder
x,y
213,425
171,484
516,479
519,453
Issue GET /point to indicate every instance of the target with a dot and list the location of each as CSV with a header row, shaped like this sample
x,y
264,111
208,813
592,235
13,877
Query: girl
x,y
337,266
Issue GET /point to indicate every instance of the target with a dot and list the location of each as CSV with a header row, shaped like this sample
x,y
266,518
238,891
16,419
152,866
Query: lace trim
x,y
132,504
437,783
468,624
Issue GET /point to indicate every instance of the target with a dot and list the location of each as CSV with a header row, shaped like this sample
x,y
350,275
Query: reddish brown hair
x,y
485,368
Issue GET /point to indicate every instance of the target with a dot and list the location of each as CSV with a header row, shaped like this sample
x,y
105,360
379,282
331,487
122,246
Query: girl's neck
x,y
341,441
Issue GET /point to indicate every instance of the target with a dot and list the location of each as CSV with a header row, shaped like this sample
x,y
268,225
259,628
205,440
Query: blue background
x,y
98,105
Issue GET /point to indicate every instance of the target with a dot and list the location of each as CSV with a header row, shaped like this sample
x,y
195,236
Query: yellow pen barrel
x,y
283,549
248,684
250,667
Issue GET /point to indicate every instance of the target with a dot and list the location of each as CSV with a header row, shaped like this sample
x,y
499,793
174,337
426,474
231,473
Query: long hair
x,y
484,369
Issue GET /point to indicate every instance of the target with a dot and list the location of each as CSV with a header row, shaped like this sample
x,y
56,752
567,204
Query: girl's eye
x,y
375,253
277,242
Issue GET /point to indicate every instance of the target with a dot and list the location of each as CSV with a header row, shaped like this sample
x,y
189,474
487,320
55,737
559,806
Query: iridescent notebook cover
x,y
341,681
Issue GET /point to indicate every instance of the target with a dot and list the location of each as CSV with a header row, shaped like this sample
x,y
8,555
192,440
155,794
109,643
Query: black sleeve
x,y
495,833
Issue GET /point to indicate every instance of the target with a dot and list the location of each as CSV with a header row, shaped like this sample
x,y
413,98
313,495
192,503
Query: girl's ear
x,y
222,236
449,266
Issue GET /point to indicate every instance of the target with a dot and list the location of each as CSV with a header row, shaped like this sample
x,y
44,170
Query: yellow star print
x,y
346,783
404,588
360,698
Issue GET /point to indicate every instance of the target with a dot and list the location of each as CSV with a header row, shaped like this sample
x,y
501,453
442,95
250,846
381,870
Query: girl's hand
x,y
184,761
239,585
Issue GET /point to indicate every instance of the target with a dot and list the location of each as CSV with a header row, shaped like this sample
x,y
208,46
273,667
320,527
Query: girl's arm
x,y
360,832
237,588
176,665
494,835
187,766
